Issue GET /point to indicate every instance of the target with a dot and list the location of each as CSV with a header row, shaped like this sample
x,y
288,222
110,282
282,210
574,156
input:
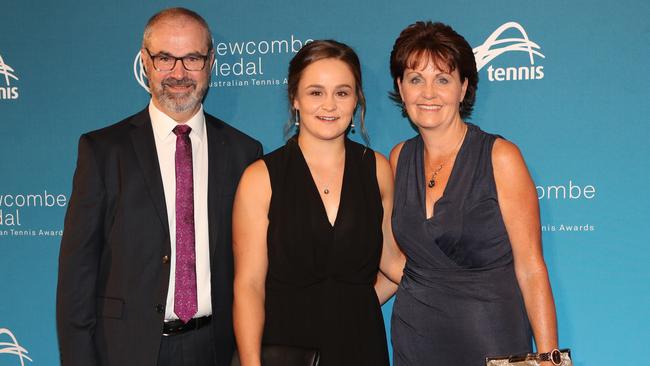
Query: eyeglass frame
x,y
153,60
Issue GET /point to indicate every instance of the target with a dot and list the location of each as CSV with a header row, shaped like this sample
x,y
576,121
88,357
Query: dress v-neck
x,y
452,175
314,187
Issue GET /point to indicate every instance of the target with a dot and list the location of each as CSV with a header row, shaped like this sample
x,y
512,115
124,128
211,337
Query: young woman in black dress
x,y
310,223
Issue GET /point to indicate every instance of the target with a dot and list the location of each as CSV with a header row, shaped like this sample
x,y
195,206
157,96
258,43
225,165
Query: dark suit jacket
x,y
113,277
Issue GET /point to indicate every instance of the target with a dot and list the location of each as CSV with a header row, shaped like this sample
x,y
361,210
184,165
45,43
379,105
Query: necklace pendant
x,y
432,183
326,191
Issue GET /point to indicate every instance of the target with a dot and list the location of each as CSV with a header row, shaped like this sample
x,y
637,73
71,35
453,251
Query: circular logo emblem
x,y
138,72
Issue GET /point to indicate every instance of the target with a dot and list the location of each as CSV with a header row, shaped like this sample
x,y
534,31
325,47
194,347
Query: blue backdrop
x,y
567,83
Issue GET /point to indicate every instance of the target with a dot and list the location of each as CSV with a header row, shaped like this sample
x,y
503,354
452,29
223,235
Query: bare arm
x,y
520,209
392,258
250,223
384,288
394,158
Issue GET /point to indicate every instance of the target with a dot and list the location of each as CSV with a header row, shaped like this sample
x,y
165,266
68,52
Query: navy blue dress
x,y
459,300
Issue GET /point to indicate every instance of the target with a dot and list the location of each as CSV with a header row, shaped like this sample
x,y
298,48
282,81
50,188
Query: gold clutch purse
x,y
556,357
278,355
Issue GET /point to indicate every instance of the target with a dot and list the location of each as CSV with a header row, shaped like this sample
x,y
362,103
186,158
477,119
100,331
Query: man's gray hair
x,y
175,13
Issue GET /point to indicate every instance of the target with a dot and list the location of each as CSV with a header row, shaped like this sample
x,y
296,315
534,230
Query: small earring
x,y
352,126
297,123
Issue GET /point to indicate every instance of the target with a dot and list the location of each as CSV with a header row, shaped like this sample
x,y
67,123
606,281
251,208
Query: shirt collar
x,y
163,125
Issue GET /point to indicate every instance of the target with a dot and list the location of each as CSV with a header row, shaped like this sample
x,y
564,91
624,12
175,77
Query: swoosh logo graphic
x,y
7,71
494,47
13,348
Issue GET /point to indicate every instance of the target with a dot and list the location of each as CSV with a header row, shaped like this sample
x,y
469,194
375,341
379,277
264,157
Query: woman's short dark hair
x,y
320,50
441,44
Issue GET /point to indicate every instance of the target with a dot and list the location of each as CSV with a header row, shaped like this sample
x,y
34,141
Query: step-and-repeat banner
x,y
565,80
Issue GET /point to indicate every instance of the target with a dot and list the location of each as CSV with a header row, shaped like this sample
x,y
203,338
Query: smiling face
x,y
431,96
326,99
178,92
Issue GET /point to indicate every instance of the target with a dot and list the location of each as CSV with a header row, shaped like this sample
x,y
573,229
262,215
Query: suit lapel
x,y
145,151
218,164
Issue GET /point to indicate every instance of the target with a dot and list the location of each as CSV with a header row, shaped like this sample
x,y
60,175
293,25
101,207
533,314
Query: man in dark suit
x,y
145,269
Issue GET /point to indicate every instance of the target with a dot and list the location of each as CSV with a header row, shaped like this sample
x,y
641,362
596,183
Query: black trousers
x,y
193,348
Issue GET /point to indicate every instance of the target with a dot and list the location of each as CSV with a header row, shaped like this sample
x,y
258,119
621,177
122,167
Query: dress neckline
x,y
314,187
452,176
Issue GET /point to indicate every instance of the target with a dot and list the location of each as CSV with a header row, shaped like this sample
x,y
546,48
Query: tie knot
x,y
182,130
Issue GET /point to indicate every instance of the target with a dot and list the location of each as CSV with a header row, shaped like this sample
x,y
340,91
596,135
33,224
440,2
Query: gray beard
x,y
179,103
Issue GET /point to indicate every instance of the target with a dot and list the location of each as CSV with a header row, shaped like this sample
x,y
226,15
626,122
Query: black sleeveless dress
x,y
459,300
319,285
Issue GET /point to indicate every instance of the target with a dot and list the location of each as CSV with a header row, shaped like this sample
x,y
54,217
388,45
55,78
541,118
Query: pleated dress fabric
x,y
319,286
459,300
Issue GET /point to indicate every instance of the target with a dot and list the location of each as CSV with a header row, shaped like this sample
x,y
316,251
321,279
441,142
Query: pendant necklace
x,y
432,181
326,190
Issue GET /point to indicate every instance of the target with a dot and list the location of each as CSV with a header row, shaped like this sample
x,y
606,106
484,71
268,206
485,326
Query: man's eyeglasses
x,y
164,62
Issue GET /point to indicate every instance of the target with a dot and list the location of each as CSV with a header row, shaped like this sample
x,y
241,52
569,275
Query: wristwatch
x,y
555,356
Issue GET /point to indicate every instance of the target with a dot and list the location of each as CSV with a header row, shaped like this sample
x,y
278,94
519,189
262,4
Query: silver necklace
x,y
432,181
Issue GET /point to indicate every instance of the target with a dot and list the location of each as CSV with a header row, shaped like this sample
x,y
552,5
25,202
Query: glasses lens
x,y
164,63
193,63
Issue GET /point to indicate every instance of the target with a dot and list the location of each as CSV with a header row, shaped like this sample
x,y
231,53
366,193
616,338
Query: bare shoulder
x,y
381,161
506,156
256,178
510,171
257,169
394,153
384,174
394,156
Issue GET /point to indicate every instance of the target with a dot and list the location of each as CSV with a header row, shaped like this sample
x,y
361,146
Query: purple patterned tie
x,y
185,302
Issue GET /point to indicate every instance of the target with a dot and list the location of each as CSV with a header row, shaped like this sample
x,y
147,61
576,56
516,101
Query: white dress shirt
x,y
166,148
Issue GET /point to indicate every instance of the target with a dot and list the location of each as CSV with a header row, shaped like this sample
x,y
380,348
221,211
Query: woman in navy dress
x,y
466,216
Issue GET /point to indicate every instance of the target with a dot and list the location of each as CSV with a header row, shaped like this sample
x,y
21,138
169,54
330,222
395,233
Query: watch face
x,y
556,357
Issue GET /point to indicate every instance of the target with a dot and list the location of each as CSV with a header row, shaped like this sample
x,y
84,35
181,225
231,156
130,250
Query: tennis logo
x,y
7,91
496,45
12,348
